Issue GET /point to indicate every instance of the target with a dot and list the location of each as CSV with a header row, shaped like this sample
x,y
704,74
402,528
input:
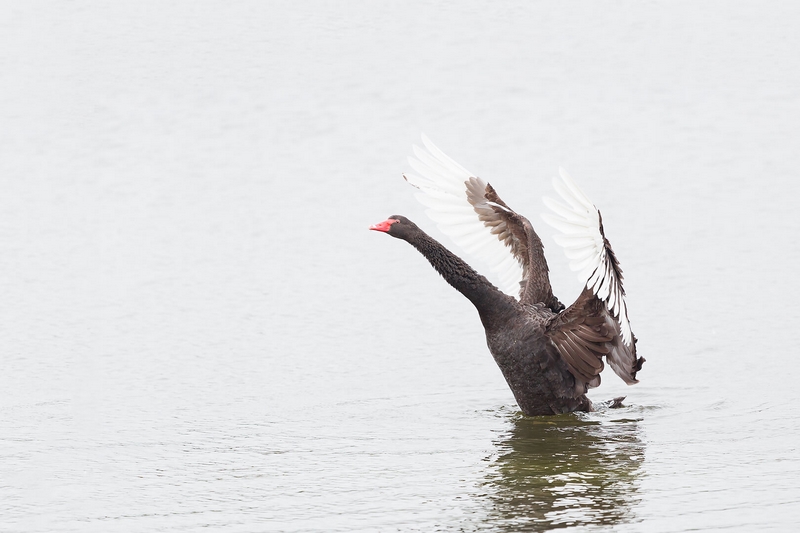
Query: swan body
x,y
549,355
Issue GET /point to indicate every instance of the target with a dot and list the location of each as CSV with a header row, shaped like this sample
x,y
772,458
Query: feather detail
x,y
444,188
587,248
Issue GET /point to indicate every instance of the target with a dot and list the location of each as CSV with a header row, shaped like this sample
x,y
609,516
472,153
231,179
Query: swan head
x,y
396,226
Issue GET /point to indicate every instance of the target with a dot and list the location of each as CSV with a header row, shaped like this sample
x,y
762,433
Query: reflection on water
x,y
568,470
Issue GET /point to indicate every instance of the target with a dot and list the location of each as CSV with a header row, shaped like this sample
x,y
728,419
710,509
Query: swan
x,y
549,354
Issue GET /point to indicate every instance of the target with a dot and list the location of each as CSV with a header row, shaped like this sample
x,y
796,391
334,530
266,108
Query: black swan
x,y
549,355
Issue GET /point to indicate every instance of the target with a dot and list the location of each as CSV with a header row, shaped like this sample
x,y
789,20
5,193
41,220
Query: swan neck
x,y
490,302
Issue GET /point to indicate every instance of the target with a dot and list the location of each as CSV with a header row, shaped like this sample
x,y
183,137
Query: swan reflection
x,y
563,471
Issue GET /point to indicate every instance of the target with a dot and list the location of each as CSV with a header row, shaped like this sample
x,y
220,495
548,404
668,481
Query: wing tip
x,y
635,370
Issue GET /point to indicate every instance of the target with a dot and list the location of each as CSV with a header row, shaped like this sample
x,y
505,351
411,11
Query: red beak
x,y
383,226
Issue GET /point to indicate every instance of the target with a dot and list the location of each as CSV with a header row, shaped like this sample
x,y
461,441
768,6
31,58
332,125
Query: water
x,y
198,330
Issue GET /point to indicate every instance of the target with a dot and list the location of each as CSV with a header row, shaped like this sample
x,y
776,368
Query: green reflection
x,y
562,471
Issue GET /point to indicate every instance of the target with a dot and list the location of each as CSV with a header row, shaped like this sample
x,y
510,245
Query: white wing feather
x,y
584,245
442,185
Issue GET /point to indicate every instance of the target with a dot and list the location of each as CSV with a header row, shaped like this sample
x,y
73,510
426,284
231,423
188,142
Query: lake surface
x,y
198,332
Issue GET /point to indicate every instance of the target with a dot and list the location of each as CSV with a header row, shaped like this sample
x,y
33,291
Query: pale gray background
x,y
197,329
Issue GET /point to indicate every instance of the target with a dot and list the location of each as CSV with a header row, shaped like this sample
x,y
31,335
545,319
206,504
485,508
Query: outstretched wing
x,y
581,335
468,210
584,333
590,253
